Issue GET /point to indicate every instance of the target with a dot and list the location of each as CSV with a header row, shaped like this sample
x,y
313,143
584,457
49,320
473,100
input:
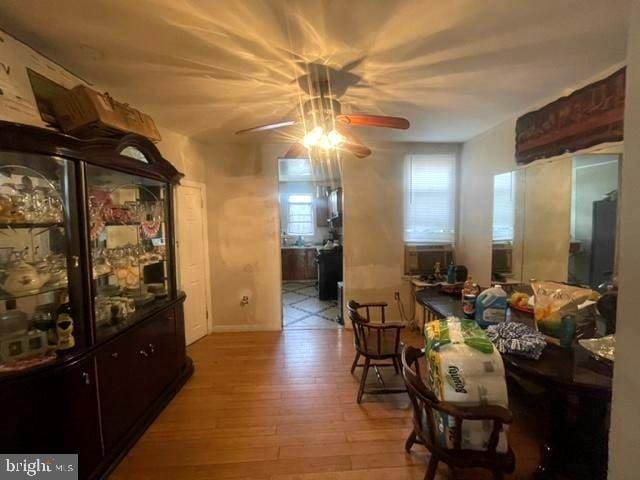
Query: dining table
x,y
577,393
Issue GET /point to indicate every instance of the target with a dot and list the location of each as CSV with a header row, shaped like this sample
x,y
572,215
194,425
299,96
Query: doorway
x,y
310,198
193,258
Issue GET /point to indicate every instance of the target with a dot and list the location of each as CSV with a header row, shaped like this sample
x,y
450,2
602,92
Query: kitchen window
x,y
430,199
300,214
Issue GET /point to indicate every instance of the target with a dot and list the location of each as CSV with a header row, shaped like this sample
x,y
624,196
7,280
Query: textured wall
x,y
374,222
625,418
244,239
482,157
17,103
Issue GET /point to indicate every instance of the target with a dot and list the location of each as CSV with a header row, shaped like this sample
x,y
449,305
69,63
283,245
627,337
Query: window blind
x,y
503,207
300,214
430,198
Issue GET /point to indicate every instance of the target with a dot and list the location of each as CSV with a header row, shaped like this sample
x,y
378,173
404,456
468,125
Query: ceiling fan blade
x,y
269,126
359,151
353,144
374,121
297,150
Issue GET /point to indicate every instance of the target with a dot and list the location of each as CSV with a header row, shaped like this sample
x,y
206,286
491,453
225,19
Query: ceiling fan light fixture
x,y
318,138
313,137
324,143
335,139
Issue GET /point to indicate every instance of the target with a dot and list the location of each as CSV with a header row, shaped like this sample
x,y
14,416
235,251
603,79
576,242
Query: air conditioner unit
x,y
421,259
502,258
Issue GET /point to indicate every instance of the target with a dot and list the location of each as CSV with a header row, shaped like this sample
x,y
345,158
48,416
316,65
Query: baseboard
x,y
252,327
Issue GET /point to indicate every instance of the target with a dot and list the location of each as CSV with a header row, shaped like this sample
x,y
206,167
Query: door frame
x,y
207,277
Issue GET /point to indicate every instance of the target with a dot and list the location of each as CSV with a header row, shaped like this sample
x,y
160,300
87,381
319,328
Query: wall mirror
x,y
557,220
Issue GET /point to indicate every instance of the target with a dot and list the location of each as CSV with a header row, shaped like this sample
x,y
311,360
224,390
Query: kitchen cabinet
x,y
335,207
299,263
322,211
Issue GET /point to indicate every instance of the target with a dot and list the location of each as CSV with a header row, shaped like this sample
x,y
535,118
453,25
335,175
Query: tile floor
x,y
303,310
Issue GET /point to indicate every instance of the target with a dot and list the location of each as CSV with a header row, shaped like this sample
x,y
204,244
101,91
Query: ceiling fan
x,y
326,127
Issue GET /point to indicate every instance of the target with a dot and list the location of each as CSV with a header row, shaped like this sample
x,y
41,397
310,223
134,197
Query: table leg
x,y
553,451
575,449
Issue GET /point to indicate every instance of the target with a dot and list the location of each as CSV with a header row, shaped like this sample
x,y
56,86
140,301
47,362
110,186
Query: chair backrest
x,y
425,404
422,398
369,337
359,323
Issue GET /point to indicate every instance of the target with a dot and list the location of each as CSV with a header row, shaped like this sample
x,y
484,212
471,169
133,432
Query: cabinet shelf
x,y
32,293
122,224
12,225
112,272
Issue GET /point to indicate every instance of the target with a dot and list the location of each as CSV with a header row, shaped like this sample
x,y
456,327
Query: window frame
x,y
452,192
495,240
311,213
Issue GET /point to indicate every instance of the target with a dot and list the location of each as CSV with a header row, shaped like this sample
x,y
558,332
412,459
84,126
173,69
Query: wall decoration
x,y
589,116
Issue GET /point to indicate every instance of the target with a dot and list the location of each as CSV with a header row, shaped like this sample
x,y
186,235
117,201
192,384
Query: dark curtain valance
x,y
589,116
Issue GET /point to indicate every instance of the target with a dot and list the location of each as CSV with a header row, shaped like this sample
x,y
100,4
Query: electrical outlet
x,y
396,295
245,300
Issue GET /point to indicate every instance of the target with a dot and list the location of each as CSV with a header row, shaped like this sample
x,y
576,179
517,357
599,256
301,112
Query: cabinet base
x,y
112,459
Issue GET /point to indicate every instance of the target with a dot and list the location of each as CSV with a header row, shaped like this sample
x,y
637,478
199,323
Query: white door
x,y
193,262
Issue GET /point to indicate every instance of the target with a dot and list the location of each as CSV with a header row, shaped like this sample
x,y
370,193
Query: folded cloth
x,y
517,338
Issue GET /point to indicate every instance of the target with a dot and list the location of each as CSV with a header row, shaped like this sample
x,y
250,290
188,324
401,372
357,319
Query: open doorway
x,y
311,216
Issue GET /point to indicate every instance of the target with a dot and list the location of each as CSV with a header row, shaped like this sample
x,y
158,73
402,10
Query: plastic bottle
x,y
451,274
470,293
491,306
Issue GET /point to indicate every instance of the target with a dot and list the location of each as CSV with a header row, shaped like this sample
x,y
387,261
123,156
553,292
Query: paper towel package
x,y
465,369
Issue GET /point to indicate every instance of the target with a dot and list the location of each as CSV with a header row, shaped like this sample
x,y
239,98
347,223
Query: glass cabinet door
x,y
128,234
39,260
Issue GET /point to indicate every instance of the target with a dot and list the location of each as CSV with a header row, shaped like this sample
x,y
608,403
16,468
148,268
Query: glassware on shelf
x,y
30,198
118,259
13,322
34,249
96,220
23,278
129,253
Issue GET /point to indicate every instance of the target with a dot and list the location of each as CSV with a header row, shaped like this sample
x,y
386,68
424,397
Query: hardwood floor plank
x,y
399,473
348,448
282,406
253,470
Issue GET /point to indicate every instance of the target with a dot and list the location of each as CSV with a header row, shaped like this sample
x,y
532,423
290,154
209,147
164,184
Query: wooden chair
x,y
425,404
375,342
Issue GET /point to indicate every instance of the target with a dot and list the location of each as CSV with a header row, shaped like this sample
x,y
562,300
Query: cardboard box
x,y
83,112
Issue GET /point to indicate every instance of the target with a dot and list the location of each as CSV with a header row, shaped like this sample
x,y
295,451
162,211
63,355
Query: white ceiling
x,y
208,68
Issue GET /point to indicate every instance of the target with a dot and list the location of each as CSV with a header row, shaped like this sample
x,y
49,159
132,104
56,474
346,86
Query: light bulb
x,y
324,142
335,138
313,137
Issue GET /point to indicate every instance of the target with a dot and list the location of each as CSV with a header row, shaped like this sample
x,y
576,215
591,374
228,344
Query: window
x,y
295,170
503,207
300,214
430,199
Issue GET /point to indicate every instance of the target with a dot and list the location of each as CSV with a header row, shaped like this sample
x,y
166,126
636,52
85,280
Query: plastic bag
x,y
465,369
555,300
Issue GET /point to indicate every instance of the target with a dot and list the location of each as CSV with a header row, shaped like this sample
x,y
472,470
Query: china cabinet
x,y
91,320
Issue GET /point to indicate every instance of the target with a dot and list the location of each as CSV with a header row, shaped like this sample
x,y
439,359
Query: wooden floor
x,y
282,406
